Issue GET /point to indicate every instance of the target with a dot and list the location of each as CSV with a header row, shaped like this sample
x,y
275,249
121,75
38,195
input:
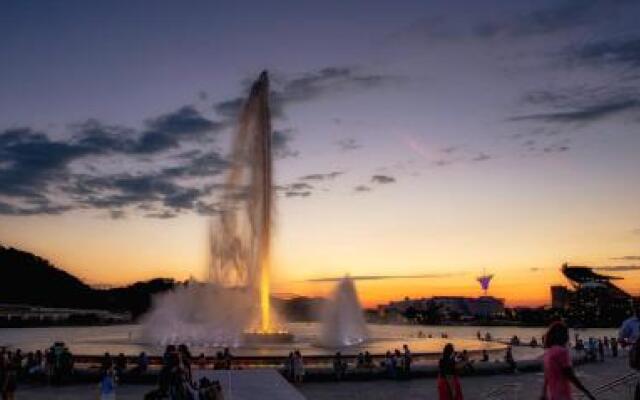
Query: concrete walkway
x,y
474,387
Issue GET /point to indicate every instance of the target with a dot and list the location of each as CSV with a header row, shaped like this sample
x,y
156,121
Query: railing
x,y
256,361
508,391
624,384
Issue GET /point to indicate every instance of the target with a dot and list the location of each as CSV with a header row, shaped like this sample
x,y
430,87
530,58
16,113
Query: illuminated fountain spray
x,y
234,306
343,321
241,236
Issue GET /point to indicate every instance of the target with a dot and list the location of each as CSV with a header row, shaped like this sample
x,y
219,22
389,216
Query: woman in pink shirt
x,y
558,372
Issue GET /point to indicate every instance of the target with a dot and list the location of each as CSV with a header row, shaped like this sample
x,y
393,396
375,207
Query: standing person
x,y
601,350
298,367
339,366
448,383
614,347
508,358
558,371
630,329
108,385
228,358
628,336
290,367
406,360
10,383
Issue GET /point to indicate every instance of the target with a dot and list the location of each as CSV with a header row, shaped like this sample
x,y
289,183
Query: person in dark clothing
x,y
339,366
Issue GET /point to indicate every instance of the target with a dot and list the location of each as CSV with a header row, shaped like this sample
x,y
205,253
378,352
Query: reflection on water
x,y
128,339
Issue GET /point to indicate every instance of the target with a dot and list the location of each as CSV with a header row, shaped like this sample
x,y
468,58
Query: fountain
x,y
240,245
232,308
343,322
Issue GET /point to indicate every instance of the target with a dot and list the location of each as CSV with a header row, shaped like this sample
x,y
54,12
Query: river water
x,y
128,339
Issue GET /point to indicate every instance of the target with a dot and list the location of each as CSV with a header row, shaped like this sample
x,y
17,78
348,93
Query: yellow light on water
x,y
265,299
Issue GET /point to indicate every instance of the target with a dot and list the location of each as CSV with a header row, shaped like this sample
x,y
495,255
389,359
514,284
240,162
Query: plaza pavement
x,y
474,388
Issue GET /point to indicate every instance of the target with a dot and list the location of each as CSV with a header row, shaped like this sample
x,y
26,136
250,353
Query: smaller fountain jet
x,y
343,320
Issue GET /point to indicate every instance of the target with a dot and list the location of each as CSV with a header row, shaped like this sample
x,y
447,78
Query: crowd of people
x,y
176,380
53,366
559,375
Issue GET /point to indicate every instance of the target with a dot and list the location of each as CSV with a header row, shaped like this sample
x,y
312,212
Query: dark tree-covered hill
x,y
28,279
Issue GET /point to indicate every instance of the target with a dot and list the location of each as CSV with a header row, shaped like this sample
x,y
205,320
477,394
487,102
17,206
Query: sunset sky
x,y
432,138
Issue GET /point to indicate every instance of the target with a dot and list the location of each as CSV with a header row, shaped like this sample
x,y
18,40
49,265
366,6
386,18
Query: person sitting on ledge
x,y
389,364
142,363
339,366
202,361
368,360
465,362
227,358
533,342
485,356
121,365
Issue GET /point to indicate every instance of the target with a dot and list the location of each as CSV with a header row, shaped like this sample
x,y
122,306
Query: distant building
x,y
448,307
594,299
560,297
18,315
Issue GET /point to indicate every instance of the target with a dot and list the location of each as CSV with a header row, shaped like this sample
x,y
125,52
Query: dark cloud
x,y
443,163
307,87
32,160
627,258
585,114
162,215
36,169
481,157
620,268
383,179
117,214
298,193
623,51
300,186
168,130
321,177
450,149
205,208
348,144
282,144
383,277
556,147
362,188
560,16
198,164
41,207
34,166
143,190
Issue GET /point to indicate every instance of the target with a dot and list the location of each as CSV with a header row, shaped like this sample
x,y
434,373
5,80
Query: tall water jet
x,y
241,236
343,319
235,304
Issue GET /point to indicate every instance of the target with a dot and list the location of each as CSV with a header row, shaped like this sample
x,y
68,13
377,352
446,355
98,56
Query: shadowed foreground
x,y
474,387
